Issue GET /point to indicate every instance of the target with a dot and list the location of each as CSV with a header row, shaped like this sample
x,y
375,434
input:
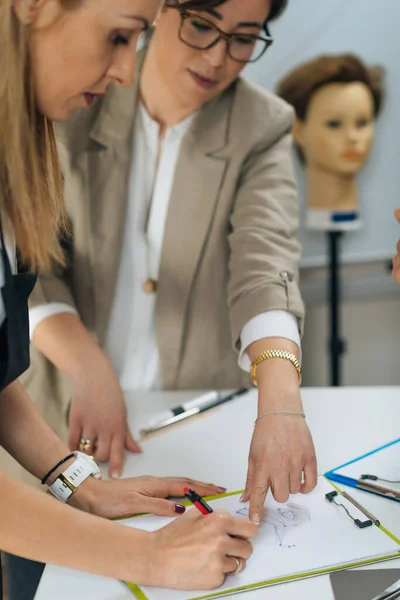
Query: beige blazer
x,y
230,250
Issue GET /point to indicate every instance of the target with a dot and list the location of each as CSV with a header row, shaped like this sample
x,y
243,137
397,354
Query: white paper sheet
x,y
306,534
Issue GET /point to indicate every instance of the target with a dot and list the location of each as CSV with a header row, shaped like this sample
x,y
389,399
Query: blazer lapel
x,y
199,177
108,166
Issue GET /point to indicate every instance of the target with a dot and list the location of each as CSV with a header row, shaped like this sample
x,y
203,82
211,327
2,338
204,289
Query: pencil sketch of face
x,y
280,520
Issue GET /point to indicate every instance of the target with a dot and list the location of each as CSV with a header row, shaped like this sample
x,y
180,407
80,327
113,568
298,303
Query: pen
x,y
199,401
380,489
193,411
198,501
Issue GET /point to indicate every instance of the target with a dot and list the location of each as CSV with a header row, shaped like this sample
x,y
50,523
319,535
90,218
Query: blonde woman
x,y
56,56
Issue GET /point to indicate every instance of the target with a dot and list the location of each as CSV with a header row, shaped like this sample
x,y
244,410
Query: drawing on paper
x,y
282,519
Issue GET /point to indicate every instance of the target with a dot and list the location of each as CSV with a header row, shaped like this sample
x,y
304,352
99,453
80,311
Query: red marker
x,y
198,501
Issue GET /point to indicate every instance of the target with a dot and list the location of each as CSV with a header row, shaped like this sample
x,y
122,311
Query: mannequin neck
x,y
332,191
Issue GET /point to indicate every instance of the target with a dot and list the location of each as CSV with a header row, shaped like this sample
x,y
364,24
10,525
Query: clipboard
x,y
342,517
377,472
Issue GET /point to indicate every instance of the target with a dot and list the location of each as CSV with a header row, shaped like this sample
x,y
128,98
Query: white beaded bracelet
x,y
280,412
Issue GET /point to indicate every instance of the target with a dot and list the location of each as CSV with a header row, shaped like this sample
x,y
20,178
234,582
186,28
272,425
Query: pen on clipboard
x,y
205,404
364,484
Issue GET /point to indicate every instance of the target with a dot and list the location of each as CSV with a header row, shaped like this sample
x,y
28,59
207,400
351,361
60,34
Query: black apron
x,y
14,331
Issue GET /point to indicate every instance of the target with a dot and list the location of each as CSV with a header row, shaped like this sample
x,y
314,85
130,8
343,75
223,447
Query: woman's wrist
x,y
277,378
277,375
278,386
51,479
95,363
87,495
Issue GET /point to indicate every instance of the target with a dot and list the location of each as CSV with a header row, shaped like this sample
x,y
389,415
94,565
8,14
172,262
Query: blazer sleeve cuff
x,y
280,296
273,323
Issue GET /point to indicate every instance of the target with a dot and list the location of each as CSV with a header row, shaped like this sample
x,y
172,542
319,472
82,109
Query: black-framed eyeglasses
x,y
200,33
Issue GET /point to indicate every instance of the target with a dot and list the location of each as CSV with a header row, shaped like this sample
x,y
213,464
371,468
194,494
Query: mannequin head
x,y
336,100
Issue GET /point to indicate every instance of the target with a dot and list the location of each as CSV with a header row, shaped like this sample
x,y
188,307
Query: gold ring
x,y
86,445
239,566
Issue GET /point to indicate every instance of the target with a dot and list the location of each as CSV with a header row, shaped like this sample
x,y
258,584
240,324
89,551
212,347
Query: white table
x,y
345,423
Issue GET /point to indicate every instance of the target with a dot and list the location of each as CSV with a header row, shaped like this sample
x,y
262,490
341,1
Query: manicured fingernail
x,y
241,499
115,475
256,519
179,509
219,487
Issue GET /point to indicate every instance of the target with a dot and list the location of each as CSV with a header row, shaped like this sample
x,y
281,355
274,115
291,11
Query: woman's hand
x,y
197,551
396,258
98,413
281,451
125,497
282,456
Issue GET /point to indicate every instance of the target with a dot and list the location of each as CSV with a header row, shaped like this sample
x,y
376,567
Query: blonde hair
x,y
30,176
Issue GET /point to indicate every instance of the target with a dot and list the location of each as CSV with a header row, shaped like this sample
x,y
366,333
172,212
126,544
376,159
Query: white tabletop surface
x,y
345,423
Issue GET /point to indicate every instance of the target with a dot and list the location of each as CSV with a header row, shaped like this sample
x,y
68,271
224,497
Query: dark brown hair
x,y
277,6
299,85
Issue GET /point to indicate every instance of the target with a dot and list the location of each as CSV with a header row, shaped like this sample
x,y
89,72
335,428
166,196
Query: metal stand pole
x,y
337,345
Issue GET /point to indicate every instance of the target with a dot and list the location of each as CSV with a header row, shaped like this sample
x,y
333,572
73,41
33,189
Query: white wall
x,y
370,29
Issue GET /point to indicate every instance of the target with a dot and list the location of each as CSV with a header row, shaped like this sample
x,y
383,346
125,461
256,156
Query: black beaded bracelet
x,y
45,478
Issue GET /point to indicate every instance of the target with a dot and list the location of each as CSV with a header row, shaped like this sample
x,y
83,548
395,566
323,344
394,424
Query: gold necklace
x,y
150,285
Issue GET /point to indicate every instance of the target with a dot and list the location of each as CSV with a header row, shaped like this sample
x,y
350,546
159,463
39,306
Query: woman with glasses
x,y
57,57
182,266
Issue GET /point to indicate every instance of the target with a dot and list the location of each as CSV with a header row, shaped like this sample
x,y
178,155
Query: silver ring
x,y
239,566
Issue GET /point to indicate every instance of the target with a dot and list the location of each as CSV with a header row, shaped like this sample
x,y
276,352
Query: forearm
x,y
276,377
38,527
25,435
66,342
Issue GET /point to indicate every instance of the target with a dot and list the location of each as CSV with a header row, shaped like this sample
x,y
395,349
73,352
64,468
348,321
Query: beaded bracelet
x,y
61,462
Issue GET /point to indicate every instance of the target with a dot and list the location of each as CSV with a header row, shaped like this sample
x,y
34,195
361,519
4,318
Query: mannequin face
x,y
337,133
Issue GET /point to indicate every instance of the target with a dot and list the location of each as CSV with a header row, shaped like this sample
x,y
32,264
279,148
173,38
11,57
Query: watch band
x,y
68,482
96,473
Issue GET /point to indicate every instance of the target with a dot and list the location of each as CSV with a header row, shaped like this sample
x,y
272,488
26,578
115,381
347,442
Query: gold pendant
x,y
149,286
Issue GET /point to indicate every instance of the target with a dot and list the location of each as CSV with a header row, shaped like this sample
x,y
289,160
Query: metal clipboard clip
x,y
364,484
371,520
